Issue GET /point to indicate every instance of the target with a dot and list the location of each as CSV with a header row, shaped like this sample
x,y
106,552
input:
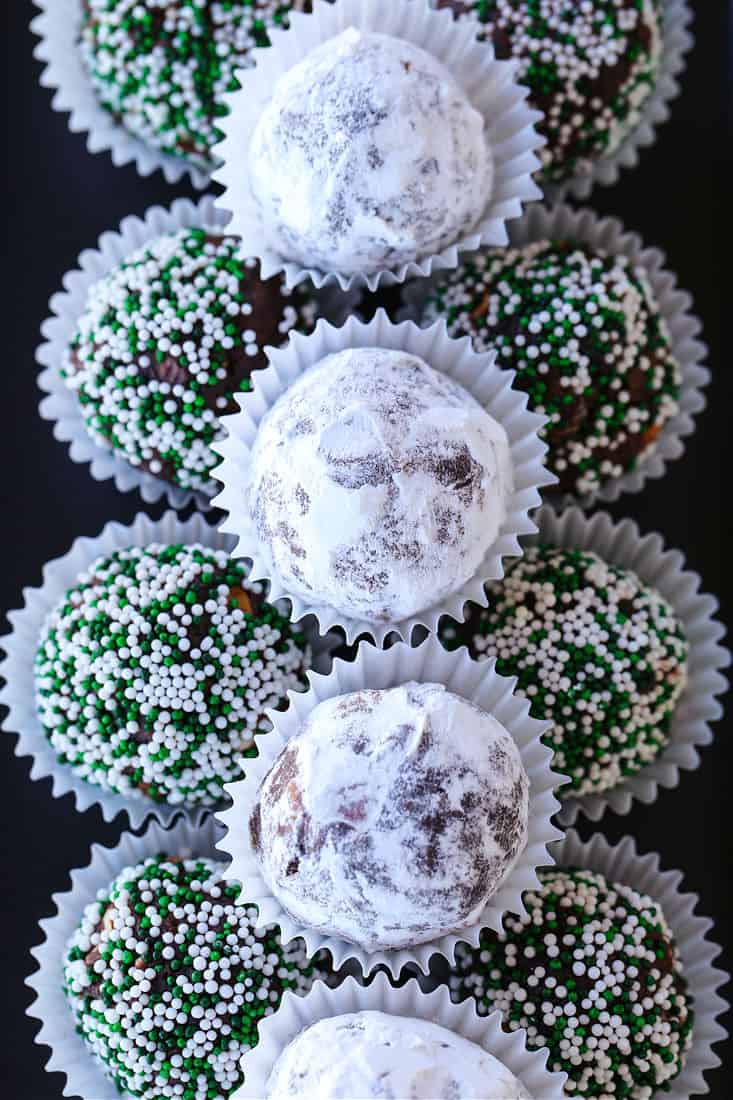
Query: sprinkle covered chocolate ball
x,y
168,978
596,651
163,67
369,155
166,341
589,67
593,974
584,332
154,671
391,817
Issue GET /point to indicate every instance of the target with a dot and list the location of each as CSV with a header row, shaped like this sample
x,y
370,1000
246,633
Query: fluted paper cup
x,y
85,1075
477,373
622,544
61,406
321,1003
489,84
622,863
20,646
377,669
608,235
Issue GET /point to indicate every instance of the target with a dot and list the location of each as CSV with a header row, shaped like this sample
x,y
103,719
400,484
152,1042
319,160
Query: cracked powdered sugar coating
x,y
369,155
392,817
377,484
376,1054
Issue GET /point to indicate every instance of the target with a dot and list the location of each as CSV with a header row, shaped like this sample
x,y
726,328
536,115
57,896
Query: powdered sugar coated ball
x,y
392,816
377,484
369,155
376,1054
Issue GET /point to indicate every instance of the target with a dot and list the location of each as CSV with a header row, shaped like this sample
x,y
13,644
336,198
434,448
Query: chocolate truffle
x,y
166,341
167,978
592,973
596,651
391,817
583,331
369,155
589,68
375,1054
154,671
162,67
377,484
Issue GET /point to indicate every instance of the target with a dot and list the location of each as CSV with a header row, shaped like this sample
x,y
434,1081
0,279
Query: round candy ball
x,y
377,484
377,1054
583,330
165,342
391,817
163,67
593,974
589,68
595,651
168,978
154,672
369,155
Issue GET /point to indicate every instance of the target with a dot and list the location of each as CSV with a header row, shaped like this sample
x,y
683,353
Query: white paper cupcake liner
x,y
57,26
539,223
61,405
622,544
85,1076
677,42
477,373
20,647
622,863
297,1013
489,84
376,669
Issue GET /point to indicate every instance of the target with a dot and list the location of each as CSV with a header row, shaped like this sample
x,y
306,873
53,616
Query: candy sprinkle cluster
x,y
597,652
163,67
590,347
165,342
154,671
592,973
589,66
168,978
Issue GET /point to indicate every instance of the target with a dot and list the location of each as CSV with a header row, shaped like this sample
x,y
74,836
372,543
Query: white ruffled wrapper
x,y
61,405
675,305
622,863
321,1003
622,544
58,26
377,669
21,644
85,1076
478,374
677,41
489,84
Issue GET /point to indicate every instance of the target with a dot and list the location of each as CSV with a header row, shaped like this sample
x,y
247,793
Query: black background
x,y
59,199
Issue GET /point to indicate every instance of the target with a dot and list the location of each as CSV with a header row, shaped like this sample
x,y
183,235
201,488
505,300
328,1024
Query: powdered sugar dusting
x,y
377,484
369,155
392,816
375,1054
